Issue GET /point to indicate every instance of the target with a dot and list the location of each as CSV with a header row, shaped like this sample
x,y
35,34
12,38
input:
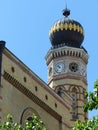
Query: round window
x,y
73,67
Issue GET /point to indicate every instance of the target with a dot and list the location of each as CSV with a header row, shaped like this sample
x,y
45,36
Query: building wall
x,y
15,103
22,92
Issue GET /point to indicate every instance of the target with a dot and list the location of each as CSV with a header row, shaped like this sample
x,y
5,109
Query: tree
x,y
90,105
34,124
88,125
92,98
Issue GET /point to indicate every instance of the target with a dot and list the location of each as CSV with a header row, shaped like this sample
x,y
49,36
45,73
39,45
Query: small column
x,y
2,45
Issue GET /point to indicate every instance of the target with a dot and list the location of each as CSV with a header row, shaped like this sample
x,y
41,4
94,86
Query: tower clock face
x,y
73,67
59,67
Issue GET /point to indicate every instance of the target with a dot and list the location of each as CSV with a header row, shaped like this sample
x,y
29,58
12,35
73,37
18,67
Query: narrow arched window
x,y
74,104
60,90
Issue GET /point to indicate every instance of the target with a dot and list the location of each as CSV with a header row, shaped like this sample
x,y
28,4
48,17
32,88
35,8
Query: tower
x,y
67,63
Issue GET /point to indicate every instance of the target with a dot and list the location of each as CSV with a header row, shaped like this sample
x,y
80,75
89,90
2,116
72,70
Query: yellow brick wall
x,y
15,102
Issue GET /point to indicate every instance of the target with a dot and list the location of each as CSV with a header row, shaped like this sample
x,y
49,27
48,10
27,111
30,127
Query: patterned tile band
x,y
66,26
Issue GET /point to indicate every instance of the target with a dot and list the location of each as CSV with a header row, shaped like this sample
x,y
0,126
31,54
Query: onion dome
x,y
66,32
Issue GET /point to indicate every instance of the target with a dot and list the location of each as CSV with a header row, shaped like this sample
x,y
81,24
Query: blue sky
x,y
25,25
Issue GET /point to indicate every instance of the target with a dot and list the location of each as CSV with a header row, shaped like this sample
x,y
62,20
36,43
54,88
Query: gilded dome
x,y
67,32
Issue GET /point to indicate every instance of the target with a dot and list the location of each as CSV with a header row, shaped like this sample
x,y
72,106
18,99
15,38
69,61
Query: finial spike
x,y
66,5
66,11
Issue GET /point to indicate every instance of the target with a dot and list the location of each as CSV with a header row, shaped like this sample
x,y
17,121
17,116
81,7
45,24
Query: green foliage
x,y
88,125
90,105
34,124
92,98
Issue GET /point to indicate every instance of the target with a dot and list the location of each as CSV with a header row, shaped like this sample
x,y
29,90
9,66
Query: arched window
x,y
85,101
74,104
60,90
27,115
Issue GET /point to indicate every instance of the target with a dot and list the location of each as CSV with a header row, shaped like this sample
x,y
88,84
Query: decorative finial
x,y
66,12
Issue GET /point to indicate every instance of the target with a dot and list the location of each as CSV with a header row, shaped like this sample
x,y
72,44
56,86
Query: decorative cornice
x,y
66,51
15,83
